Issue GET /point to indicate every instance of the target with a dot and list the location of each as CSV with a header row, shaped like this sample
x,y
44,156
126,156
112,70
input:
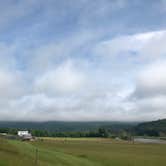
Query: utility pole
x,y
36,157
132,135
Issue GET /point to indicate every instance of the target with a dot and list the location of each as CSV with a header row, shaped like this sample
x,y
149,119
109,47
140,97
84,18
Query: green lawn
x,y
81,152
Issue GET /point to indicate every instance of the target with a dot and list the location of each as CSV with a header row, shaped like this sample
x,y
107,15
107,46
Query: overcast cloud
x,y
82,60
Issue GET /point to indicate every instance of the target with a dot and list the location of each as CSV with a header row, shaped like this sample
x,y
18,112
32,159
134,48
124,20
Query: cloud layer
x,y
82,62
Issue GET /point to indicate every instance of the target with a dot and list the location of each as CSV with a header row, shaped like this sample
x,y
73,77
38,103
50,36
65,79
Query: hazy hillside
x,y
154,128
66,126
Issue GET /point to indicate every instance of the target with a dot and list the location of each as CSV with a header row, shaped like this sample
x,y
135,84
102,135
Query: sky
x,y
82,60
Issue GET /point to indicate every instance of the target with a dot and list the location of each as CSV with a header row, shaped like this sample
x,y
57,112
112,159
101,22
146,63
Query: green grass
x,y
81,152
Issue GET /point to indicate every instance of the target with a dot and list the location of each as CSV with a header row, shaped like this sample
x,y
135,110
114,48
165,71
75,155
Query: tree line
x,y
155,128
100,132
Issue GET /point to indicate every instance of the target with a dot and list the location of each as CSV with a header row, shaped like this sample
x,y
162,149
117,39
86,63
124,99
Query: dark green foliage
x,y
154,128
87,129
68,129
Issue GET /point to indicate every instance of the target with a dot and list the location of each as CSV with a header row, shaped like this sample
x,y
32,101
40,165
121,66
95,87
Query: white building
x,y
22,133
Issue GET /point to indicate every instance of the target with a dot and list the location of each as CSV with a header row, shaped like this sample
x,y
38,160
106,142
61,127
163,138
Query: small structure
x,y
3,134
117,139
24,135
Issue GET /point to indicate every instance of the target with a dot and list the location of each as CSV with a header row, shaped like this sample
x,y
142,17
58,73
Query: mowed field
x,y
80,152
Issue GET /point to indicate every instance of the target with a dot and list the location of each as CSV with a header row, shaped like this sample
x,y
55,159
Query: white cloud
x,y
65,78
10,84
151,108
87,107
150,45
151,80
46,56
149,96
149,51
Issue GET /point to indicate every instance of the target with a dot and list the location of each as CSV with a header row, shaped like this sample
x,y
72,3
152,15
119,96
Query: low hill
x,y
154,128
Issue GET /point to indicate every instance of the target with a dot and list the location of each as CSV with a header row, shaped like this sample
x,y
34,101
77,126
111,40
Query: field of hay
x,y
80,152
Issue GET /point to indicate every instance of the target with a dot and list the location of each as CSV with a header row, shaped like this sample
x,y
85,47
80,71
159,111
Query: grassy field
x,y
80,152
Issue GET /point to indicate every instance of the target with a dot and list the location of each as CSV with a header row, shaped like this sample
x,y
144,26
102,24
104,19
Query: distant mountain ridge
x,y
153,128
59,126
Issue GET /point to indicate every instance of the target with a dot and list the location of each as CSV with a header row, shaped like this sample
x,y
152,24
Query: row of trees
x,y
101,132
11,131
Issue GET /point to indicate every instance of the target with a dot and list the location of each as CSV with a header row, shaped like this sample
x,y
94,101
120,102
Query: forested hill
x,y
66,126
154,128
